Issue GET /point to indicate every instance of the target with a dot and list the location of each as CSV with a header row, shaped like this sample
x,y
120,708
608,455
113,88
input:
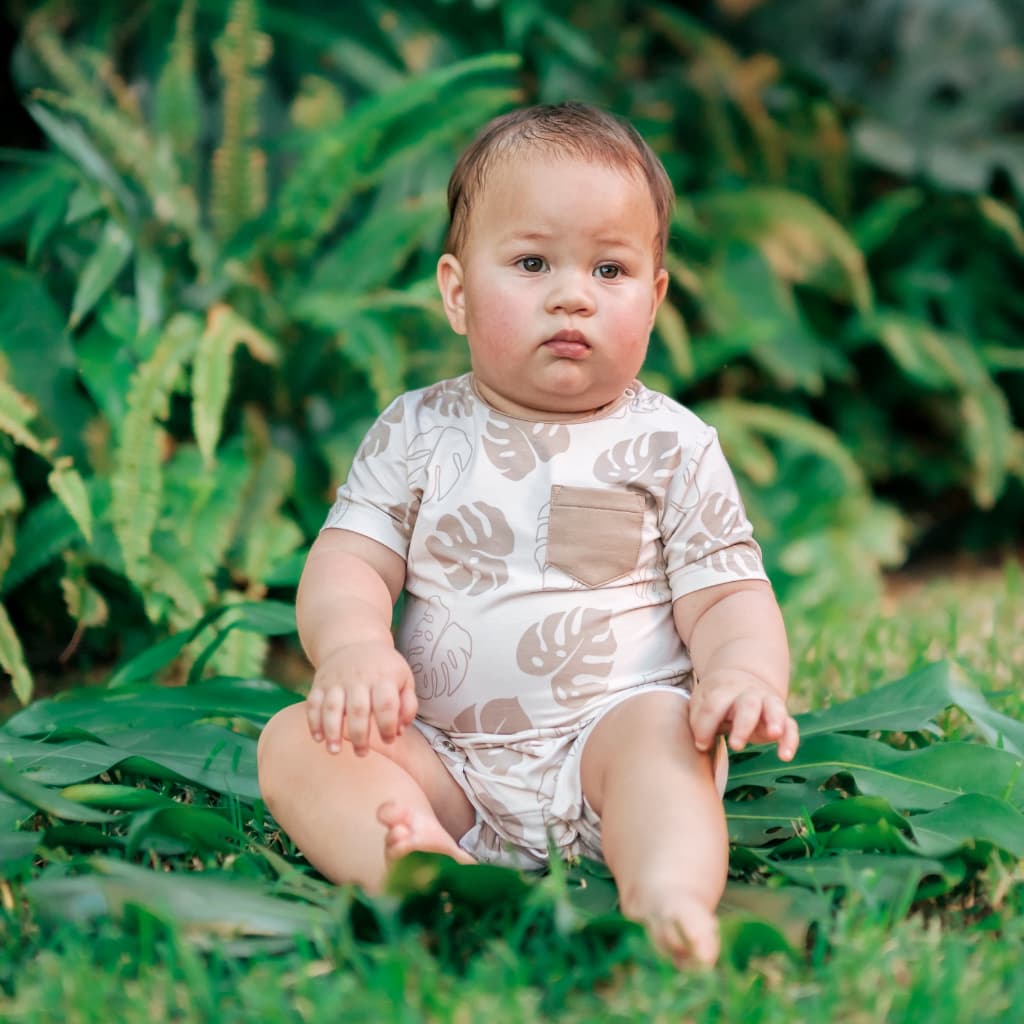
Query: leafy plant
x,y
871,805
223,340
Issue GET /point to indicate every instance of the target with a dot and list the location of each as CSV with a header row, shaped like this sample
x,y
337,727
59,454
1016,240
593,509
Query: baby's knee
x,y
276,748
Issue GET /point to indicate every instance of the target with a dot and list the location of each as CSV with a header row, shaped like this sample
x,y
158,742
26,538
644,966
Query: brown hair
x,y
569,129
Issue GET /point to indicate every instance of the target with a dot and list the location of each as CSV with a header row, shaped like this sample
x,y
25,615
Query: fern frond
x,y
16,413
148,162
85,604
241,653
12,659
11,503
178,101
68,486
178,592
7,532
267,543
136,482
333,168
43,39
205,507
211,371
44,532
239,167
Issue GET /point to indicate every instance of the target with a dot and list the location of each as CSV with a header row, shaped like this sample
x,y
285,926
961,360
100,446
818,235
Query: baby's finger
x,y
385,710
357,719
332,716
706,714
314,714
774,717
789,740
746,717
408,704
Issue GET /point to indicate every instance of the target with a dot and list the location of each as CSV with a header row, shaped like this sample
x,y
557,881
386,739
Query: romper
x,y
542,562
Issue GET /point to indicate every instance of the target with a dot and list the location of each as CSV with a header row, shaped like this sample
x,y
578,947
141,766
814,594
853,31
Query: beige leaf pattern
x,y
504,823
540,554
514,448
404,517
469,545
449,398
645,401
379,435
501,716
723,519
438,652
649,459
575,649
442,472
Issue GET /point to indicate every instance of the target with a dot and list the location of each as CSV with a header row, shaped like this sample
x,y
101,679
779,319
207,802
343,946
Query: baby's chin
x,y
552,405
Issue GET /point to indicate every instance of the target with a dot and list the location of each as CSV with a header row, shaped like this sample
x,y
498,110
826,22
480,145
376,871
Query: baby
x,y
585,607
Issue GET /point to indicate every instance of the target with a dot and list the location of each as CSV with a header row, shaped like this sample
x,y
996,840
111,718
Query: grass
x,y
948,960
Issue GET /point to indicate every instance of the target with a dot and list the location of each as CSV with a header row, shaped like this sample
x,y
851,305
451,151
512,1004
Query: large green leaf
x,y
910,780
201,903
44,799
206,754
107,713
911,704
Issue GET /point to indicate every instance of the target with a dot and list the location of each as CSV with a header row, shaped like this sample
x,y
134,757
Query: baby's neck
x,y
516,411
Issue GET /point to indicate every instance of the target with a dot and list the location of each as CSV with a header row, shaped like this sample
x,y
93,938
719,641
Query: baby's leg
x,y
350,815
663,828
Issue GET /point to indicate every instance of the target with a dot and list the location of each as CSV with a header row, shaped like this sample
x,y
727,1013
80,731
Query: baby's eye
x,y
532,264
608,271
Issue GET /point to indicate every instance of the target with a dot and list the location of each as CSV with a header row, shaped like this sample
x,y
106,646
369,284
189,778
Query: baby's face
x,y
557,285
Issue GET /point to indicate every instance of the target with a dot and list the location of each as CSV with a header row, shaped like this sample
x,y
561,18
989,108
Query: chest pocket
x,y
594,534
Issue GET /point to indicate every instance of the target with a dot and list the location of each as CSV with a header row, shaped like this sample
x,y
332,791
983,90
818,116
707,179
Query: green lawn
x,y
507,950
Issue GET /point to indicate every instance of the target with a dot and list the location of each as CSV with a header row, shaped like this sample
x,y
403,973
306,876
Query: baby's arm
x,y
348,588
736,638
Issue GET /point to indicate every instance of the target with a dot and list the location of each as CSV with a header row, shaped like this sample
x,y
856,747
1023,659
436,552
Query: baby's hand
x,y
355,686
746,708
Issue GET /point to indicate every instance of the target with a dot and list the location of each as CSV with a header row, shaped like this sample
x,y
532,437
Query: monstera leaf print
x,y
379,436
441,455
469,545
649,459
404,517
515,448
645,401
450,398
438,652
724,545
502,716
540,552
575,649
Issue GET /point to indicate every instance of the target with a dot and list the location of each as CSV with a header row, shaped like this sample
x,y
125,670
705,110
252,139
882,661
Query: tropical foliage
x,y
220,268
871,803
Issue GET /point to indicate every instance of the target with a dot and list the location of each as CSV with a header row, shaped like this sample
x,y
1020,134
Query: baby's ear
x,y
453,294
660,291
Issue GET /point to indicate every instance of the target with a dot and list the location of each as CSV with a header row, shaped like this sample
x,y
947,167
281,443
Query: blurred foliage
x,y
219,267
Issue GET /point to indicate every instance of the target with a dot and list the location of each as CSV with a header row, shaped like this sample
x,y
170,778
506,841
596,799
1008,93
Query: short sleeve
x,y
707,536
377,500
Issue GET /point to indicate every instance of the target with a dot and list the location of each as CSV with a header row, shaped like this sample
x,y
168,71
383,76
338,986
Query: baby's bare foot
x,y
408,831
680,926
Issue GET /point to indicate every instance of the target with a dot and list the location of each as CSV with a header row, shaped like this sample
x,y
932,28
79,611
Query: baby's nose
x,y
571,292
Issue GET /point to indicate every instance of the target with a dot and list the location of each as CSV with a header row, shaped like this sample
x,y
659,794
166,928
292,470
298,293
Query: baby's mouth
x,y
568,345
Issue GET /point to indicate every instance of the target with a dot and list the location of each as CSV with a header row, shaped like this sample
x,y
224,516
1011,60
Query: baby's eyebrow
x,y
528,236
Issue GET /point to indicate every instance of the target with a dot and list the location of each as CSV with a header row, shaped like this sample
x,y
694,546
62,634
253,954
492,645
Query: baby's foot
x,y
680,926
408,831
